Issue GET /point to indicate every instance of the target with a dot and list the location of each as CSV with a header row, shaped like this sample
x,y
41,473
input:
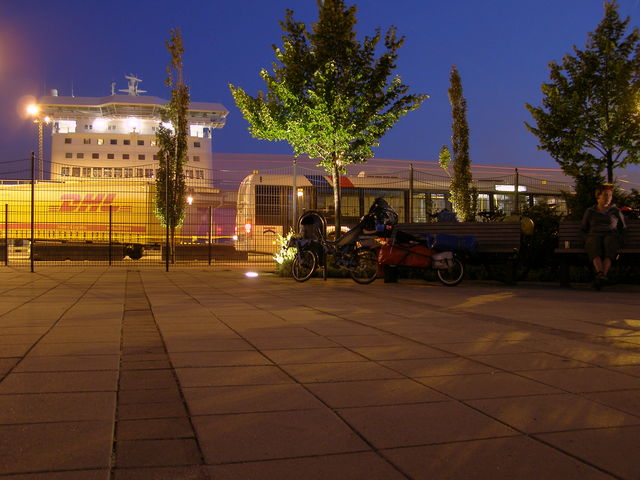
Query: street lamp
x,y
34,111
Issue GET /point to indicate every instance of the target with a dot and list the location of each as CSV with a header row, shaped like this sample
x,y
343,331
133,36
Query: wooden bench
x,y
571,249
498,242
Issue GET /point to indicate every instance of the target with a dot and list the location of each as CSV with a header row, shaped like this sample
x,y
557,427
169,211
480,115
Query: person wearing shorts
x,y
604,227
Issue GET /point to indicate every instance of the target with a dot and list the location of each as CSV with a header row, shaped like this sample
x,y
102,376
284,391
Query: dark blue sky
x,y
501,48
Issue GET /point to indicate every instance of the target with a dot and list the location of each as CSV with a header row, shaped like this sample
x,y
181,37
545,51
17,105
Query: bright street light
x,y
33,110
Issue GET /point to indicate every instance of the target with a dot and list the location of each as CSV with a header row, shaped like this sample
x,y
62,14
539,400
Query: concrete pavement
x,y
140,374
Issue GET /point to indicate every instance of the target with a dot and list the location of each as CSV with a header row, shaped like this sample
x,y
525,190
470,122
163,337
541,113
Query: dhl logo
x,y
90,203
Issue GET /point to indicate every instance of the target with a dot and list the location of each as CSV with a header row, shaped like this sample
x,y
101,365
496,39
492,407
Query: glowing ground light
x,y
251,274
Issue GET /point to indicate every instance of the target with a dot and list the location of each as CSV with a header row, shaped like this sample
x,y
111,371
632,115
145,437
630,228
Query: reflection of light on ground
x,y
482,299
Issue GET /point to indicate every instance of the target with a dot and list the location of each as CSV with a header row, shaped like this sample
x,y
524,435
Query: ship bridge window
x,y
67,140
111,156
125,156
126,142
66,126
141,157
140,142
113,141
95,155
196,131
86,141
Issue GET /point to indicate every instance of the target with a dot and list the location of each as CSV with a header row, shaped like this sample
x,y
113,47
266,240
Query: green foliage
x,y
170,199
464,197
589,115
328,95
284,257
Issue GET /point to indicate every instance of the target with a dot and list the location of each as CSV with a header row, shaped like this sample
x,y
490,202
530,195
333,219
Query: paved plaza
x,y
197,374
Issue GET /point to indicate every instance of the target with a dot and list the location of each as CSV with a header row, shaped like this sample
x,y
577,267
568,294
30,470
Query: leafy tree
x,y
464,196
328,95
171,136
589,114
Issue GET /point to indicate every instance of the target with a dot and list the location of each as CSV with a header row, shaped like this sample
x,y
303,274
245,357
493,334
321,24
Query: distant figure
x,y
446,215
604,226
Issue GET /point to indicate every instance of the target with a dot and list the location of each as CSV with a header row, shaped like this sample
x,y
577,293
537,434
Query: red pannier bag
x,y
405,255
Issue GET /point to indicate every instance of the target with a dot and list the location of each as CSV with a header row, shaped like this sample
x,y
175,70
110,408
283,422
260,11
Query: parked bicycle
x,y
355,251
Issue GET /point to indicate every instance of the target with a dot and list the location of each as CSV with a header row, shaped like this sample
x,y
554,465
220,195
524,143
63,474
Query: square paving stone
x,y
626,400
162,473
135,411
218,359
495,459
248,398
69,363
616,450
428,367
152,395
148,365
59,382
370,340
351,466
14,350
147,453
520,362
154,429
552,413
292,342
312,355
491,348
486,385
199,345
7,364
55,446
220,376
336,372
591,379
105,348
400,352
144,379
57,407
262,436
374,392
419,424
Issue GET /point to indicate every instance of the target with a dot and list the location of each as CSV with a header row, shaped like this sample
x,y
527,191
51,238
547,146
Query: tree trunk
x,y
336,198
172,249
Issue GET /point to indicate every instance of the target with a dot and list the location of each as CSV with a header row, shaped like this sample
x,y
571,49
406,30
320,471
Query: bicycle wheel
x,y
303,266
451,276
367,267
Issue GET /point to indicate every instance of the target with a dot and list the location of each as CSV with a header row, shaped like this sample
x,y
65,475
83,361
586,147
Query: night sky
x,y
501,48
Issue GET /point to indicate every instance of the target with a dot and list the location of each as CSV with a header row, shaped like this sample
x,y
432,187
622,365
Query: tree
x,y
589,115
328,95
463,194
171,136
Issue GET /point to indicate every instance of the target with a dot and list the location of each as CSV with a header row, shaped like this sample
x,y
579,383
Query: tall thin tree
x,y
171,136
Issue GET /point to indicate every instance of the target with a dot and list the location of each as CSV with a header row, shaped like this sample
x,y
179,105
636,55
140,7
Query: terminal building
x,y
115,136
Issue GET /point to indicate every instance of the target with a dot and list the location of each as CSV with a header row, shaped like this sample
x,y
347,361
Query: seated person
x,y
604,226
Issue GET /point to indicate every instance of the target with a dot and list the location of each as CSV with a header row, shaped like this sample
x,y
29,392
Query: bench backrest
x,y
491,236
570,232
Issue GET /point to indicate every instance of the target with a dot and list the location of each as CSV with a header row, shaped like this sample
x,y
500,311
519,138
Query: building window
x,y
189,173
110,156
75,172
100,141
200,174
79,155
196,144
125,156
113,141
64,171
139,172
95,155
153,143
128,172
196,158
107,172
126,142
111,127
86,171
117,172
96,172
67,140
87,141
148,172
68,155
141,157
155,157
140,142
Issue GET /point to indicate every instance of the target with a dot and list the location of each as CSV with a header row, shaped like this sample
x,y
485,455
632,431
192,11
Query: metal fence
x,y
233,218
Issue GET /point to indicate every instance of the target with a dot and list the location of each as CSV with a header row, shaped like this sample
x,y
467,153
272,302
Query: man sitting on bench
x,y
604,226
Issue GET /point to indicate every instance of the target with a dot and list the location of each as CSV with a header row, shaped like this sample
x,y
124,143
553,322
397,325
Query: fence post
x,y
411,193
6,234
33,207
294,197
210,222
110,232
516,203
